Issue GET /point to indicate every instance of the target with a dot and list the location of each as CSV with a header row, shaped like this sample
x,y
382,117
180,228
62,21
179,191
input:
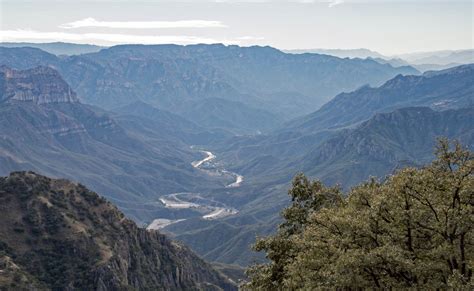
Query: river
x,y
209,208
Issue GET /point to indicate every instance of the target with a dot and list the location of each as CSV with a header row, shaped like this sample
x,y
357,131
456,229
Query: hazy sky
x,y
387,26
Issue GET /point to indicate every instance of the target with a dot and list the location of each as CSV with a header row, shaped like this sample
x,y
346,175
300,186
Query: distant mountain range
x,y
423,61
58,235
361,53
439,60
241,89
57,48
445,57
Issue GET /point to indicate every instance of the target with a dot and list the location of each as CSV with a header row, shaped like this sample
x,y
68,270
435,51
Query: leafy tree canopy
x,y
415,229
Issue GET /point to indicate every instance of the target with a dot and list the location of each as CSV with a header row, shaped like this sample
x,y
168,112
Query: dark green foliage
x,y
18,229
414,230
53,219
62,262
307,198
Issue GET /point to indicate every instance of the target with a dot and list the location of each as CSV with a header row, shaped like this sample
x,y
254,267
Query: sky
x,y
388,26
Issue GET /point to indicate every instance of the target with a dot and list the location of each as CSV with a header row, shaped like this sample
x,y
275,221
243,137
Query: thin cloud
x,y
107,38
91,22
333,3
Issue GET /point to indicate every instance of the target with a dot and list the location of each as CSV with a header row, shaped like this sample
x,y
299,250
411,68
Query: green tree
x,y
307,197
415,229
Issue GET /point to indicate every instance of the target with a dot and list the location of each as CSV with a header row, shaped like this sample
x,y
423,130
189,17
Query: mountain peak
x,y
41,85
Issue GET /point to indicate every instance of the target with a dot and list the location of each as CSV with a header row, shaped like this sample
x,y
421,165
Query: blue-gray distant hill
x,y
57,48
361,53
445,57
423,61
242,89
451,88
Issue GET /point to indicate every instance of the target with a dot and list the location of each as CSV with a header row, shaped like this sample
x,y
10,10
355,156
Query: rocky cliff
x,y
41,85
55,234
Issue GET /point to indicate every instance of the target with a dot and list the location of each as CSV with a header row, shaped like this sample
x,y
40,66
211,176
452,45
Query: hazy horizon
x,y
387,27
250,45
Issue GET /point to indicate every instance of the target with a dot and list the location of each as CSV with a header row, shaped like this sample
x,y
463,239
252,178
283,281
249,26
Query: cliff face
x,y
55,234
122,157
41,85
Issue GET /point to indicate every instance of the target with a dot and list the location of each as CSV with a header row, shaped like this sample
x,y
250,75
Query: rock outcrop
x,y
62,236
40,85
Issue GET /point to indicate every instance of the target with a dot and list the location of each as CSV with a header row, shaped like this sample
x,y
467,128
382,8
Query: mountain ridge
x,y
176,78
62,236
387,140
401,91
57,48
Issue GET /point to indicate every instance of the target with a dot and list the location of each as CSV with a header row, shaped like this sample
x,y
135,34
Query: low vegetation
x,y
58,235
413,230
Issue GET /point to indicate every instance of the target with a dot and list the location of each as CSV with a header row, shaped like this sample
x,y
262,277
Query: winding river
x,y
210,209
209,157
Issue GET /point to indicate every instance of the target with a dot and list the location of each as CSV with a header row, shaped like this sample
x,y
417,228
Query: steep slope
x,y
451,88
44,128
62,236
34,86
176,78
386,142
